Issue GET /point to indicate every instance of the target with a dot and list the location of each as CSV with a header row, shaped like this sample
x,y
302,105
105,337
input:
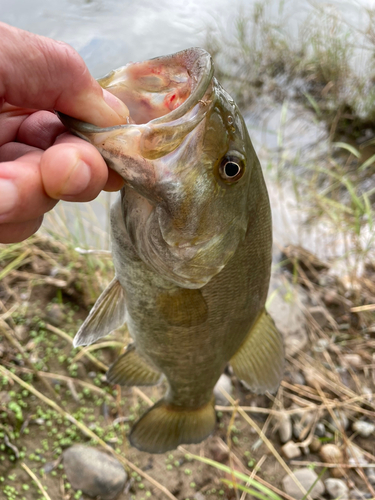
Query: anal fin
x,y
131,369
107,314
260,360
165,426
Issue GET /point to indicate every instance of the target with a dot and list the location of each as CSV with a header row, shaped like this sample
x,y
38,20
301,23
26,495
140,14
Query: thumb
x,y
41,73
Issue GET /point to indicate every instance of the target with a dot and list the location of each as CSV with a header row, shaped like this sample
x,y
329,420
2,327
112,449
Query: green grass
x,y
316,63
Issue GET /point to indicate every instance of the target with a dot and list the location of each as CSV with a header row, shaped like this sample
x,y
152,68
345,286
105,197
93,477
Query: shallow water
x,y
110,33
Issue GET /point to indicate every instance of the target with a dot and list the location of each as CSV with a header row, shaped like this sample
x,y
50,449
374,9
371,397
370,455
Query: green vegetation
x,y
320,62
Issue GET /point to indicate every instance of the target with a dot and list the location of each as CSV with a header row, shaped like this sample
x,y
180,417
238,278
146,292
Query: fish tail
x,y
165,426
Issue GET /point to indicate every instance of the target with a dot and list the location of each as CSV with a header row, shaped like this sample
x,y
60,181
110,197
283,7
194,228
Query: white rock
x,y
225,383
288,314
291,450
368,393
363,428
355,456
353,360
94,472
341,420
337,489
307,478
285,428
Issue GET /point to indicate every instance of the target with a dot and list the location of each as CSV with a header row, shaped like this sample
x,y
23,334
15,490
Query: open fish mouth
x,y
161,95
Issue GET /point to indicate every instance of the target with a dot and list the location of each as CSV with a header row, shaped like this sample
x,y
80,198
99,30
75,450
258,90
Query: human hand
x,y
40,162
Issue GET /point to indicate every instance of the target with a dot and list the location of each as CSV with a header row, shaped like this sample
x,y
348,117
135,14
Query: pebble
x,y
355,455
341,419
353,360
332,454
313,379
22,332
363,428
298,378
288,314
199,496
321,345
55,315
307,478
5,397
94,472
285,428
370,473
320,429
336,488
331,297
368,392
225,383
356,494
315,444
319,314
297,429
291,450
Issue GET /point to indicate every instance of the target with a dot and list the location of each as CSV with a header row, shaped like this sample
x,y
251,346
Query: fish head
x,y
187,161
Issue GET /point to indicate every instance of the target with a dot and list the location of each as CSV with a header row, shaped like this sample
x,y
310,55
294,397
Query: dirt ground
x,y
45,295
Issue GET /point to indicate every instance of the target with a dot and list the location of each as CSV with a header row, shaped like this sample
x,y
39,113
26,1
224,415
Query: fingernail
x,y
117,105
8,196
78,179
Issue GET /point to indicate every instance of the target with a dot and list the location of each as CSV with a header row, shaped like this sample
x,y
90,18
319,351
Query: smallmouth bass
x,y
191,242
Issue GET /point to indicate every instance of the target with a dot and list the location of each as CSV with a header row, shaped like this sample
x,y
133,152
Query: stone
x,y
298,378
225,383
285,428
313,378
336,488
320,429
368,393
321,345
291,450
297,429
331,297
353,361
93,472
286,309
363,428
356,494
5,398
199,496
315,445
355,456
330,453
307,478
370,473
319,314
55,315
341,420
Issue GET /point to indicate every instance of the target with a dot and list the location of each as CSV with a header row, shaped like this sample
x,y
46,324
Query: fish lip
x,y
195,56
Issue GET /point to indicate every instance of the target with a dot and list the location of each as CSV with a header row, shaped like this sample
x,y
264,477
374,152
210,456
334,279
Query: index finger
x,y
41,73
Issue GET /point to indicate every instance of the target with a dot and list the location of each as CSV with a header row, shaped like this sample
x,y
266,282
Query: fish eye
x,y
231,169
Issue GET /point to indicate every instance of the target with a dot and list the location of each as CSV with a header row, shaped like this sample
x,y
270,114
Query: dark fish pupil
x,y
231,169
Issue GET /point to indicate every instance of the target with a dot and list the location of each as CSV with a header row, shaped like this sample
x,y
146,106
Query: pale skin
x,y
40,162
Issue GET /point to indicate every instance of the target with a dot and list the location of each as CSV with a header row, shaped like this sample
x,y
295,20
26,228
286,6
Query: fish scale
x,y
191,244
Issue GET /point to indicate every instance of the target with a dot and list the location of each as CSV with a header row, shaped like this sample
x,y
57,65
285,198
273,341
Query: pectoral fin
x,y
131,369
260,360
108,313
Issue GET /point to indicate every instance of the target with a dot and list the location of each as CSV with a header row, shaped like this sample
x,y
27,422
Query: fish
x,y
191,244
